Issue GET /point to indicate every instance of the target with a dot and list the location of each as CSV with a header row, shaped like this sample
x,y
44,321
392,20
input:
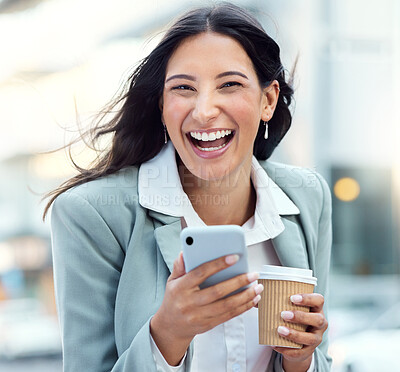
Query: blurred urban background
x,y
61,61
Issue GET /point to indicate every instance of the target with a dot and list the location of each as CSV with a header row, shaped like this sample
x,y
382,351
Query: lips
x,y
212,140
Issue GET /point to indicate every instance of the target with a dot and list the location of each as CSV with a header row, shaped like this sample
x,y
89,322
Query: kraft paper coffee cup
x,y
279,284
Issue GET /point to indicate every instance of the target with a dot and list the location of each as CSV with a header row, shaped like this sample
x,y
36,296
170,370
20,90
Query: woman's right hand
x,y
187,310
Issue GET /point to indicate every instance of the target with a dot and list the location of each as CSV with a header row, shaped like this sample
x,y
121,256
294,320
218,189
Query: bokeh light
x,y
346,189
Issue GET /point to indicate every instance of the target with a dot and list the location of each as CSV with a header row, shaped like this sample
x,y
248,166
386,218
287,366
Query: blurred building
x,y
346,126
359,86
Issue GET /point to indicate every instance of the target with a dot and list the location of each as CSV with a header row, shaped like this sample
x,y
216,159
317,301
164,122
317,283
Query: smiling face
x,y
212,105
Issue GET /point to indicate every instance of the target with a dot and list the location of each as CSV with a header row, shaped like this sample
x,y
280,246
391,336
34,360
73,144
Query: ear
x,y
269,100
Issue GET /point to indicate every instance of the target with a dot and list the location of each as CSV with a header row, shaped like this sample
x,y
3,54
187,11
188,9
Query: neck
x,y
227,201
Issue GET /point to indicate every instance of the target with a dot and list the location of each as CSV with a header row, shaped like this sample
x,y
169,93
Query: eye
x,y
182,87
230,84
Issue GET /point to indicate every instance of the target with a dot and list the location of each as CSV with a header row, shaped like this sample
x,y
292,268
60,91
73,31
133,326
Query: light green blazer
x,y
112,258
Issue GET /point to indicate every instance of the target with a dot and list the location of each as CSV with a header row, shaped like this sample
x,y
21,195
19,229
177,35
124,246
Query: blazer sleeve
x,y
88,260
322,254
322,265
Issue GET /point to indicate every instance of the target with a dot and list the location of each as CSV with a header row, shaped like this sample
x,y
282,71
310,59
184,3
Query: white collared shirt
x,y
231,346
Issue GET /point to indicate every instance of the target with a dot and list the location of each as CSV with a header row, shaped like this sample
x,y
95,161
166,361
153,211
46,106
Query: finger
x,y
207,317
313,300
236,301
316,320
179,268
304,338
220,290
235,311
294,354
197,276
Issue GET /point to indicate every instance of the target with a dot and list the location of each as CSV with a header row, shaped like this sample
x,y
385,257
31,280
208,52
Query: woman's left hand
x,y
300,359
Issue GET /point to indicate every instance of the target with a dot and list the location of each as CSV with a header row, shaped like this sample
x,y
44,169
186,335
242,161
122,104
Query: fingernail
x,y
283,331
256,299
287,315
296,298
231,259
252,276
258,289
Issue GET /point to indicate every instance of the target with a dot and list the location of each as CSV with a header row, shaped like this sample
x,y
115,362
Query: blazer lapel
x,y
290,246
166,232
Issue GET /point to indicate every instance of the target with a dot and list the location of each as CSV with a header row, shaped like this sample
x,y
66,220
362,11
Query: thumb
x,y
179,267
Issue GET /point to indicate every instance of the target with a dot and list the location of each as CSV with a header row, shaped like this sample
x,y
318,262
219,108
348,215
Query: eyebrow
x,y
230,73
192,78
181,76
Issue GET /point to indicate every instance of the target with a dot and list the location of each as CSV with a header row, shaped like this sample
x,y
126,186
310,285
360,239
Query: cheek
x,y
245,112
175,110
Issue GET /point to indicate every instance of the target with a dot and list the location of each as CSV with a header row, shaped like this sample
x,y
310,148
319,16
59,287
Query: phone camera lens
x,y
189,240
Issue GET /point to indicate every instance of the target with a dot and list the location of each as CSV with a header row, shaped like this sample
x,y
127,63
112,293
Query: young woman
x,y
200,116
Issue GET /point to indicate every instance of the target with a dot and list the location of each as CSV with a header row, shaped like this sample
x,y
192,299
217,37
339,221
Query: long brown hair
x,y
138,133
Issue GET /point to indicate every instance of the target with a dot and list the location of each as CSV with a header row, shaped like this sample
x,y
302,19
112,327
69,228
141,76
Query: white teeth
x,y
196,135
211,148
204,136
212,137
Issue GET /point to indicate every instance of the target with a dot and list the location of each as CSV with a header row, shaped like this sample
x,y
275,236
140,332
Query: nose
x,y
206,108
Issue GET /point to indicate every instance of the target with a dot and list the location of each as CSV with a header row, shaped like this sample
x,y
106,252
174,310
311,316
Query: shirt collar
x,y
160,190
160,187
261,180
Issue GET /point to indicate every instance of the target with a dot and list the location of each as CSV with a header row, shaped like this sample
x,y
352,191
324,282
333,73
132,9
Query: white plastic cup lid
x,y
295,274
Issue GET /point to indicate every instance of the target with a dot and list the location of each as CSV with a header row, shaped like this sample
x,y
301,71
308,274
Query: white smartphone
x,y
203,244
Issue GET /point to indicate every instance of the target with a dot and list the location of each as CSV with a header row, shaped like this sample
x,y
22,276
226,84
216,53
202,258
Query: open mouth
x,y
211,141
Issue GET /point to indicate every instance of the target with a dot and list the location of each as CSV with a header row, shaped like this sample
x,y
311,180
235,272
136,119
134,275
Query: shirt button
x,y
236,367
